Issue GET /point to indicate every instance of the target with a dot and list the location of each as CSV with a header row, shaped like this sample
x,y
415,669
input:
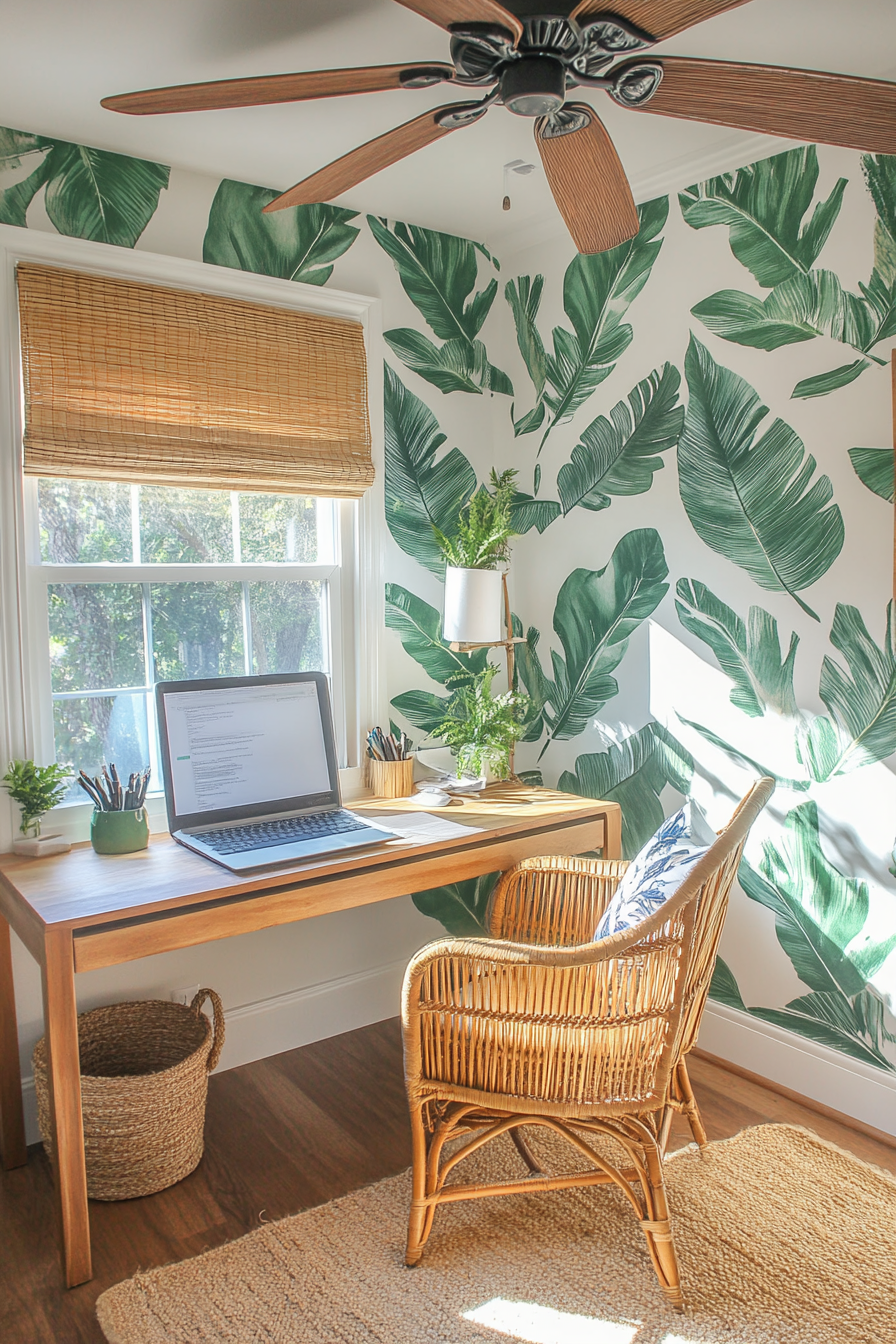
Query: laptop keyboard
x,y
259,834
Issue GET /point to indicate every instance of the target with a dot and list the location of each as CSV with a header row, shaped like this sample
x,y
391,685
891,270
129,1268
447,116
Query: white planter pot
x,y
41,846
473,612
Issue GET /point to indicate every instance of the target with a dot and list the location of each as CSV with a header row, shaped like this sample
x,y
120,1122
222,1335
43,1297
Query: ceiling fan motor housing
x,y
534,86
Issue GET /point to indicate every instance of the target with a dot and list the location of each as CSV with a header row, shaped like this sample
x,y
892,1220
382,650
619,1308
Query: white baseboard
x,y
848,1085
316,1012
286,1021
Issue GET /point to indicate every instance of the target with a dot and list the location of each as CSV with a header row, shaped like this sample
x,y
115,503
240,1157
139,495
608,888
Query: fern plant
x,y
481,729
484,527
36,788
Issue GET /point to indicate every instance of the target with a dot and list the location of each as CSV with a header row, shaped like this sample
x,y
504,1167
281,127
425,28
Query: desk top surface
x,y
83,888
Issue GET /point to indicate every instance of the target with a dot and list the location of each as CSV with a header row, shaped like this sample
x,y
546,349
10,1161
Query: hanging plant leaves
x,y
875,468
596,612
461,907
421,491
420,628
750,654
753,499
863,700
108,198
619,456
457,366
439,274
23,171
764,207
633,773
597,293
300,244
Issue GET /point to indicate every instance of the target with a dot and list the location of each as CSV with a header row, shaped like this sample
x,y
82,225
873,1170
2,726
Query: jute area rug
x,y
782,1239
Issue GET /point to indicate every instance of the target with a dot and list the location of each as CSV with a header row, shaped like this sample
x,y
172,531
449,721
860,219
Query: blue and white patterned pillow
x,y
658,870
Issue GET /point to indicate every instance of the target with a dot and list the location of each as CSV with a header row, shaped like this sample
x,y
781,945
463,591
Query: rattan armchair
x,y
540,1025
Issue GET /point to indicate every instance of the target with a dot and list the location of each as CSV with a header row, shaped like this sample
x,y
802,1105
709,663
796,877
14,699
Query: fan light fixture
x,y
530,54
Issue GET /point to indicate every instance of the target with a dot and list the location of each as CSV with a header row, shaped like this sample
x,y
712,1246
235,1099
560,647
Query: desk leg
x,y
613,833
64,1079
12,1117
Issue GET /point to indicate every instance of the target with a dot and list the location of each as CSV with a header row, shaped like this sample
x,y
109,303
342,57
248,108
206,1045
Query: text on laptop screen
x,y
240,745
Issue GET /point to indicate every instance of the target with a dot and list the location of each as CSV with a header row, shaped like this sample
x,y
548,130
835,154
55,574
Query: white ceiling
x,y
59,58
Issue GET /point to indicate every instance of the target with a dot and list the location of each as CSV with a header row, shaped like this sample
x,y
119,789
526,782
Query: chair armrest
x,y
553,901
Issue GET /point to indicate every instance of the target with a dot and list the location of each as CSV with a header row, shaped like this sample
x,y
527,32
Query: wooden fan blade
x,y
799,104
363,162
588,182
261,89
660,18
446,12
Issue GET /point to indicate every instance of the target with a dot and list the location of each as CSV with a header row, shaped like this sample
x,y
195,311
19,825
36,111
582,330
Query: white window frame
x,y
26,725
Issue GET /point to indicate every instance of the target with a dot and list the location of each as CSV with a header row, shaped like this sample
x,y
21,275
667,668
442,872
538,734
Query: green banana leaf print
x,y
457,366
853,1026
422,491
753,500
764,207
633,773
595,614
744,759
300,244
619,456
749,653
461,907
90,193
597,293
527,512
799,309
875,468
820,922
22,173
439,273
862,701
420,627
524,297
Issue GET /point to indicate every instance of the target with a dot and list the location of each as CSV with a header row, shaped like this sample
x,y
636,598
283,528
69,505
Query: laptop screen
x,y
240,747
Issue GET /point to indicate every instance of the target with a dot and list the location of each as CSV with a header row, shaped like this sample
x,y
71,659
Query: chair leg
x,y
526,1153
418,1224
689,1104
658,1232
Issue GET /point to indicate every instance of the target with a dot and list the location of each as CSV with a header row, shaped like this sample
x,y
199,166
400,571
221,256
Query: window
x,y
138,579
131,584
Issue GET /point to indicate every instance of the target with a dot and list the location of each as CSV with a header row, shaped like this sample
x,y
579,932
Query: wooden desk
x,y
83,910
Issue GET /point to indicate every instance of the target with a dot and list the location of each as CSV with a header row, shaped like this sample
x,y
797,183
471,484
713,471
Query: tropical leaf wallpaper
x,y
701,423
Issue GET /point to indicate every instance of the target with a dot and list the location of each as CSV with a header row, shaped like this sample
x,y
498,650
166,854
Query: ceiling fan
x,y
529,54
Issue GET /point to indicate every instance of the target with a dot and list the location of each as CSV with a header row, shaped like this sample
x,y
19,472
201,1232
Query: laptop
x,y
250,772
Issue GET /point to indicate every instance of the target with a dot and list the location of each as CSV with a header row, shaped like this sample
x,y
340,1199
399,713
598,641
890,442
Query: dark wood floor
x,y
282,1135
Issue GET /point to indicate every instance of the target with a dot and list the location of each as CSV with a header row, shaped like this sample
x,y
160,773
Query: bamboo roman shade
x,y
127,381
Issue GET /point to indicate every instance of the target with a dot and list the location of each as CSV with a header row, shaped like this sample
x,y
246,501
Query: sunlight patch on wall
x,y
545,1325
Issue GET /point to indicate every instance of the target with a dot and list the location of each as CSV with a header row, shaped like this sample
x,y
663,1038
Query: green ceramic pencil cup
x,y
119,832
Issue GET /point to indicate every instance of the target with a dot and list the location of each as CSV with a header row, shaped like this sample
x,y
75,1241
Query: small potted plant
x,y
474,555
481,729
36,788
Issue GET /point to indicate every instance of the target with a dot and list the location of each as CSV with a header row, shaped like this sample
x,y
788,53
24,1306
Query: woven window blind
x,y
127,381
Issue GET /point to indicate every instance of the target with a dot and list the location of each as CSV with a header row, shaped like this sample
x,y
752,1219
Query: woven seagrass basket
x,y
144,1079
